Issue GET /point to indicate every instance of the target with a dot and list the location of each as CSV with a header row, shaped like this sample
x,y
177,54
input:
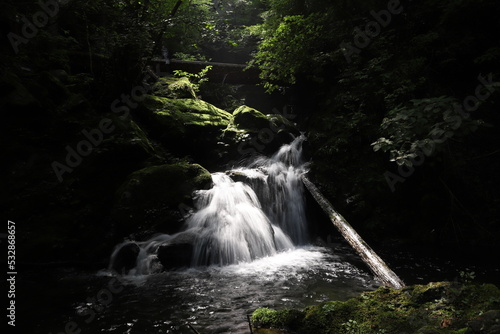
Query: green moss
x,y
250,118
268,331
185,112
174,88
166,183
264,317
154,197
284,319
443,308
281,122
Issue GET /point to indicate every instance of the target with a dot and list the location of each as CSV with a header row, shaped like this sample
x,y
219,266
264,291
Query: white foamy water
x,y
237,221
232,226
216,299
250,248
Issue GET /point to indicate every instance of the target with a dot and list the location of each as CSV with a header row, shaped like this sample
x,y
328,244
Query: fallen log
x,y
374,262
220,73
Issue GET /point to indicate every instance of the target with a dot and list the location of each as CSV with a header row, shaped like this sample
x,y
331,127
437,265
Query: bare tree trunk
x,y
176,8
374,262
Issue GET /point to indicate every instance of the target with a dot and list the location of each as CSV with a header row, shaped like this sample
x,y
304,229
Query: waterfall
x,y
233,228
280,189
249,213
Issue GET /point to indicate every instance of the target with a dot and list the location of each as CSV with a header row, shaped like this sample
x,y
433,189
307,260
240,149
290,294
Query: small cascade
x,y
232,226
280,189
249,213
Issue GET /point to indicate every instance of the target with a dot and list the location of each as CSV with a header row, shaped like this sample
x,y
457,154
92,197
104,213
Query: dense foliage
x,y
417,80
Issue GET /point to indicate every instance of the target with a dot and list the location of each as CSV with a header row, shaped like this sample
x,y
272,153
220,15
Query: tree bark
x,y
374,262
176,8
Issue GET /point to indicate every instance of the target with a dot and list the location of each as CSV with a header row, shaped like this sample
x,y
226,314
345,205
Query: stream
x,y
249,247
214,299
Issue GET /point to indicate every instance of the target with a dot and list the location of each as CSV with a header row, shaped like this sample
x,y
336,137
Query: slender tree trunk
x,y
159,36
374,262
176,8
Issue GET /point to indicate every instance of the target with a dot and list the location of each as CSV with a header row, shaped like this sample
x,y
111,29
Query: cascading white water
x,y
233,228
283,193
239,221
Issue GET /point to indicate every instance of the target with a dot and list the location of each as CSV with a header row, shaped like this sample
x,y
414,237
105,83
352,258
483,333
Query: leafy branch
x,y
196,79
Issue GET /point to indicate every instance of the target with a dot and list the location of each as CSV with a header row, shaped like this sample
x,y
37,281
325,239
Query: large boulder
x,y
487,323
178,251
126,258
250,118
263,134
186,126
155,199
202,131
174,88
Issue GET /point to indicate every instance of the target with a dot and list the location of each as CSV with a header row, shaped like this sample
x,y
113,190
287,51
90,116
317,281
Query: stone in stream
x,y
126,258
177,253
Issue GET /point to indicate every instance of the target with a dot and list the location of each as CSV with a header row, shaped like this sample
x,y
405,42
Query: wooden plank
x,y
379,268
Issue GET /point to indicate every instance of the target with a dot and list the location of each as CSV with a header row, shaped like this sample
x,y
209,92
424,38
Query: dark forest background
x,y
378,87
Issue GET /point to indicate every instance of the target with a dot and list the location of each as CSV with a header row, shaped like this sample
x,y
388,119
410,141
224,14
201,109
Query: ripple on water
x,y
217,299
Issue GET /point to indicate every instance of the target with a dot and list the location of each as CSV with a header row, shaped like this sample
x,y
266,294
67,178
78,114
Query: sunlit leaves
x,y
196,79
422,127
283,54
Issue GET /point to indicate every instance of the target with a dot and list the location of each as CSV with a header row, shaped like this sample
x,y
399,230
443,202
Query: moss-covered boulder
x,y
154,199
183,113
488,322
253,120
187,126
442,308
263,134
250,118
174,88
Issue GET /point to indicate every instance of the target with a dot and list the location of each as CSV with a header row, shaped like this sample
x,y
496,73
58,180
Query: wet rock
x,y
265,134
250,118
178,252
125,258
428,293
488,323
157,197
237,176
